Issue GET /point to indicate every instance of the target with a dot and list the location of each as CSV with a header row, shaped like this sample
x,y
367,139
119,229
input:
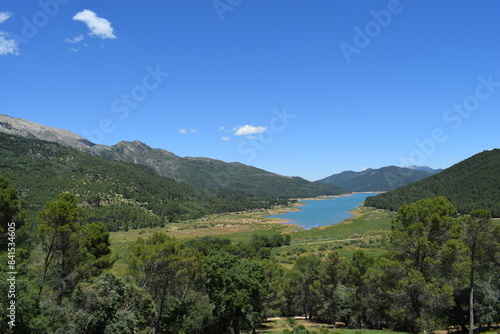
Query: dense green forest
x,y
211,174
123,195
469,185
435,262
202,173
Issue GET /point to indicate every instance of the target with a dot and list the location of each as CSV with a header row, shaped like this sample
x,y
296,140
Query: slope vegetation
x,y
212,174
206,173
471,184
382,179
121,194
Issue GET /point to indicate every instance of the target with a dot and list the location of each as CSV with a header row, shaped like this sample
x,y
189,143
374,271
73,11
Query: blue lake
x,y
324,212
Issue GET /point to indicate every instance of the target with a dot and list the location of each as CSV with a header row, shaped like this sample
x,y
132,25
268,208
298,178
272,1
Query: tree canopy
x,y
469,185
439,268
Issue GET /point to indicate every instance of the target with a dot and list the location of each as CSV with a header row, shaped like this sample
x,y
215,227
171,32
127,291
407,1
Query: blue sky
x,y
300,88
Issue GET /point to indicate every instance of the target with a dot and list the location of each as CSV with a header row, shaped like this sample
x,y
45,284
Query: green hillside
x,y
471,184
121,194
212,174
382,179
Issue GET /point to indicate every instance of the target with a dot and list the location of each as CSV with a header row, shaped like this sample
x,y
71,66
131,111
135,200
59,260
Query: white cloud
x,y
4,16
98,26
225,138
77,39
7,46
222,128
185,130
246,130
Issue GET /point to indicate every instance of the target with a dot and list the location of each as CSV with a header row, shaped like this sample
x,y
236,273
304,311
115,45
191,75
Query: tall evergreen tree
x,y
418,235
172,274
482,238
70,251
11,212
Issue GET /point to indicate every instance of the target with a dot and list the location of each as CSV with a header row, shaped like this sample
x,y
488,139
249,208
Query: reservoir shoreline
x,y
322,211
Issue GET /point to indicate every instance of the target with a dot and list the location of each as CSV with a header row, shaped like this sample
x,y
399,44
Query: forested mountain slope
x,y
120,194
213,174
471,184
382,179
206,173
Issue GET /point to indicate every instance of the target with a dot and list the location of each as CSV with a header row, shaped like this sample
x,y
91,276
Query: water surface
x,y
324,212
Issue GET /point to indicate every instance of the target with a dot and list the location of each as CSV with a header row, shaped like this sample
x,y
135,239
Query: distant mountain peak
x,y
134,144
381,179
424,168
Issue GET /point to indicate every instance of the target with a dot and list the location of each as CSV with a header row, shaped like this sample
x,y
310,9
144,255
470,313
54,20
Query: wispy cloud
x,y
183,131
99,27
224,138
7,44
4,16
246,130
75,40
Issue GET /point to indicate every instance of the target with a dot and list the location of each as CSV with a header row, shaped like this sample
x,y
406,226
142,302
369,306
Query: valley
x,y
363,231
219,250
249,167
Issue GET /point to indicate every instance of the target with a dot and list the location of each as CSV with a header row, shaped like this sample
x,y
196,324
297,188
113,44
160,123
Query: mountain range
x,y
205,173
123,195
425,169
155,182
382,179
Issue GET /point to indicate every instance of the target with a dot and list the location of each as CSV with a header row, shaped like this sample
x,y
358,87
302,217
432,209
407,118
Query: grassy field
x,y
366,223
277,325
363,231
239,227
